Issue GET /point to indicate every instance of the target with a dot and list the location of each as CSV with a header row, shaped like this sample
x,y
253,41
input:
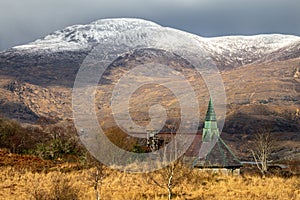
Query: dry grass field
x,y
74,181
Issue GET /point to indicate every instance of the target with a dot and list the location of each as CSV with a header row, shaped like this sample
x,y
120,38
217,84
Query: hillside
x,y
260,74
72,181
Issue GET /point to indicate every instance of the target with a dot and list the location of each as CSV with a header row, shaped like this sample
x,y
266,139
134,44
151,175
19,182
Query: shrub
x,y
61,189
57,148
17,138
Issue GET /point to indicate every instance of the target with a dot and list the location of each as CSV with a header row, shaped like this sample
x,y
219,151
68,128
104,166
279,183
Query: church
x,y
214,155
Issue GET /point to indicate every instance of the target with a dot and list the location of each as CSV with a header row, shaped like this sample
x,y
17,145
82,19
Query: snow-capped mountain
x,y
227,51
260,75
78,37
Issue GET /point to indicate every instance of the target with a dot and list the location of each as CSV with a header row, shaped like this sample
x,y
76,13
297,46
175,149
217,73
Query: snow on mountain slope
x,y
247,49
78,37
227,51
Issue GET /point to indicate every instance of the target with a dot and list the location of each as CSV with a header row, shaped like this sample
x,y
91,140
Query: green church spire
x,y
210,129
210,114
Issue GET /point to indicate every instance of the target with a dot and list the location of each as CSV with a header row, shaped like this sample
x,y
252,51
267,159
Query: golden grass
x,y
25,184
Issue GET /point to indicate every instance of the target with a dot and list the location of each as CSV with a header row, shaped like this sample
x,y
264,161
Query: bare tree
x,y
169,177
97,175
175,171
264,145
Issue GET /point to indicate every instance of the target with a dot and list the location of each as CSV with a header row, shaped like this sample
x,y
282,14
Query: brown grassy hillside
x,y
66,181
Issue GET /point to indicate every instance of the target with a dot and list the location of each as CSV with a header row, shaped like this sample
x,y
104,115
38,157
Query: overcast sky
x,y
23,21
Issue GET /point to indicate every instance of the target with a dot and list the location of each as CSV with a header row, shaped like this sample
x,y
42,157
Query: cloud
x,y
24,21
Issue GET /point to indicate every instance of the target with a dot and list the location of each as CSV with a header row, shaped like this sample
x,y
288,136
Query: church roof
x,y
214,152
218,155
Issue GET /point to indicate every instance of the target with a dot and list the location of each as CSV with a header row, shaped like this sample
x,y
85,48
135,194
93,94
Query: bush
x,y
16,138
57,148
54,143
61,189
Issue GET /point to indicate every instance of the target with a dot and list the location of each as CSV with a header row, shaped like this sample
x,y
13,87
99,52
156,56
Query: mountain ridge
x,y
230,50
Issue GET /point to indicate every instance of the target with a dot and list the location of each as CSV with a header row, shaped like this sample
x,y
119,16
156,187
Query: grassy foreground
x,y
70,181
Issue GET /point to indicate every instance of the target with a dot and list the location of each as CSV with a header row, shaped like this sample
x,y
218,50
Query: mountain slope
x,y
259,74
53,61
227,51
78,37
258,71
231,51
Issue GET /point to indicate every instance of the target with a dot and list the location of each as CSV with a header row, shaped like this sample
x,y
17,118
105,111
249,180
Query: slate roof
x,y
216,155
